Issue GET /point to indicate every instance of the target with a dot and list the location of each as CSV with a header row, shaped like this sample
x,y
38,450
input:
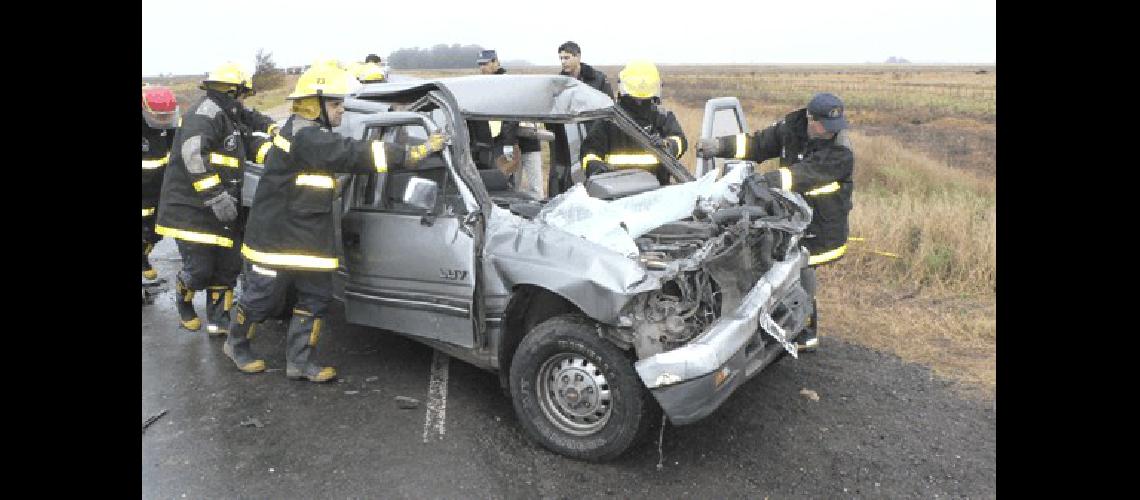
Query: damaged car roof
x,y
548,96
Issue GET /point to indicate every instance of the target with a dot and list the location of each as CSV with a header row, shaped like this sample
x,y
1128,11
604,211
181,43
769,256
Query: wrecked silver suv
x,y
598,308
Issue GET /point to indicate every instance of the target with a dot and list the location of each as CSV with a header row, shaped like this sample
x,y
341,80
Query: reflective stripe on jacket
x,y
819,169
605,141
291,221
206,159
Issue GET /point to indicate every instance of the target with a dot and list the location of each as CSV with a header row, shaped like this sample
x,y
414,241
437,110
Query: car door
x,y
408,269
723,116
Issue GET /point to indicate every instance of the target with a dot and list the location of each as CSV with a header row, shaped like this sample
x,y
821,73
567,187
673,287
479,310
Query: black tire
x,y
592,405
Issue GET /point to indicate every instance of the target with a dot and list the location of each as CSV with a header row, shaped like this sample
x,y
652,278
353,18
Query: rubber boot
x,y
218,302
301,347
184,301
237,343
147,271
808,341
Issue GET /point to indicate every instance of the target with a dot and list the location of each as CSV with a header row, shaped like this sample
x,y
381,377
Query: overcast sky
x,y
184,37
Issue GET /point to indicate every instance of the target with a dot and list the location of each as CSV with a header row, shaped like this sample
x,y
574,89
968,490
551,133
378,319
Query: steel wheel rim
x,y
574,394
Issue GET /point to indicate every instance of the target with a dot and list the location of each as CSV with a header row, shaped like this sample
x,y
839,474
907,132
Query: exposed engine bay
x,y
718,241
708,264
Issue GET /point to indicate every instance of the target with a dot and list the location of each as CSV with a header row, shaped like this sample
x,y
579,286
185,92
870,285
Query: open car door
x,y
407,268
723,116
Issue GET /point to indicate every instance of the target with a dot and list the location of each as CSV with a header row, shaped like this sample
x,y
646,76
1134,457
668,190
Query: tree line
x,y
441,56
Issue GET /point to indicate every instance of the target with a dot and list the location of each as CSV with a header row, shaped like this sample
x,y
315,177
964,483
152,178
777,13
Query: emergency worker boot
x,y
808,341
301,347
184,301
147,271
219,300
237,348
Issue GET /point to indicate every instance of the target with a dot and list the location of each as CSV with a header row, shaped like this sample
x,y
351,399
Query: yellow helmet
x,y
369,73
323,78
232,73
640,79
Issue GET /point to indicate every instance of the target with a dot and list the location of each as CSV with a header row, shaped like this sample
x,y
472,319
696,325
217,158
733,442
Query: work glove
x,y
708,148
224,206
434,143
594,167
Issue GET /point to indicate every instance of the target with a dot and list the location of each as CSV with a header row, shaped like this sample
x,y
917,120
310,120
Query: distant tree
x,y
440,56
266,76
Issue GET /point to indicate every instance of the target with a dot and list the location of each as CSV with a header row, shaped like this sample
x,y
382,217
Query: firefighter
x,y
201,192
289,243
369,72
816,160
607,148
159,119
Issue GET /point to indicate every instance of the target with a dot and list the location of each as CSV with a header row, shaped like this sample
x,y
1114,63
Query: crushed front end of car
x,y
703,281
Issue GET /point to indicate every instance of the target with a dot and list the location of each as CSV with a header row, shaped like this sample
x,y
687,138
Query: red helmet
x,y
159,107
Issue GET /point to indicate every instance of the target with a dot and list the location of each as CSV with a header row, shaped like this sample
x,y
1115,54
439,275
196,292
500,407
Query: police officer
x,y
816,160
201,193
159,119
289,242
607,148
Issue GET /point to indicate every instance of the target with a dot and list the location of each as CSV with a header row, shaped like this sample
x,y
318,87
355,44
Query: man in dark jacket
x,y
570,55
607,148
816,160
159,119
289,243
201,192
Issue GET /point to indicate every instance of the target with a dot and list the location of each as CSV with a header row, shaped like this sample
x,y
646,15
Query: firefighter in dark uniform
x,y
816,160
159,119
200,204
289,241
607,148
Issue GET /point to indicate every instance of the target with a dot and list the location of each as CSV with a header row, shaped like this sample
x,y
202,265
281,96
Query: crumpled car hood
x,y
583,248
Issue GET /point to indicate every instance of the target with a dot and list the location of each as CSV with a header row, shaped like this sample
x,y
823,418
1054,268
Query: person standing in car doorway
x,y
528,177
607,148
817,161
289,242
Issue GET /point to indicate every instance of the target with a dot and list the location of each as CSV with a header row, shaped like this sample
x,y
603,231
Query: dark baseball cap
x,y
487,56
827,108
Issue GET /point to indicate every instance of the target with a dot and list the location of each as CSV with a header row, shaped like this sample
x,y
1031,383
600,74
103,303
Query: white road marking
x,y
436,417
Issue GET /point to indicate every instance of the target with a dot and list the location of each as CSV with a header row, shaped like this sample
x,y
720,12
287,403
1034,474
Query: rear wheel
x,y
576,393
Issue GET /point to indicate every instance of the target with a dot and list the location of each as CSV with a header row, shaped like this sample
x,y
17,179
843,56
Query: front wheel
x,y
576,393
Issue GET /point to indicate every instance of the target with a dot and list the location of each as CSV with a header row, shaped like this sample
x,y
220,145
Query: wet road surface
x,y
881,428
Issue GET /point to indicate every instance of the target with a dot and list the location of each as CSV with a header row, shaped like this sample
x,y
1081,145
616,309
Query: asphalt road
x,y
880,428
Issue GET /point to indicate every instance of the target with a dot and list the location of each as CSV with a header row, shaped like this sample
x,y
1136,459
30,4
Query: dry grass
x,y
921,281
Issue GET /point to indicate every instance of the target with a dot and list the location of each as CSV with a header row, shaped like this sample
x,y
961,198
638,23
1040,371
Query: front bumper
x,y
692,381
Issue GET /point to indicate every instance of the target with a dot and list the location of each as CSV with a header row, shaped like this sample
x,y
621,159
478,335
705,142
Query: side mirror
x,y
421,193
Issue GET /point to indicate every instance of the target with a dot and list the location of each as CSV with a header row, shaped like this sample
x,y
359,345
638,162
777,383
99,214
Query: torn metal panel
x,y
547,96
728,335
597,279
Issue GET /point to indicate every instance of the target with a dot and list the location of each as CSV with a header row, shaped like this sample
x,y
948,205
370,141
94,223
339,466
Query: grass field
x,y
921,279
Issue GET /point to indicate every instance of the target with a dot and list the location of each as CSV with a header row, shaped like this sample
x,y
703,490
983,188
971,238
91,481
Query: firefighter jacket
x,y
155,148
205,162
819,169
606,142
593,78
291,224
